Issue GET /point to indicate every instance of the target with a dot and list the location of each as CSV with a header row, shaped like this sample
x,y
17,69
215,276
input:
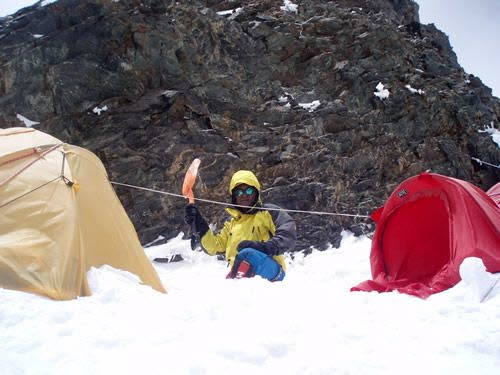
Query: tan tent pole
x,y
29,192
41,155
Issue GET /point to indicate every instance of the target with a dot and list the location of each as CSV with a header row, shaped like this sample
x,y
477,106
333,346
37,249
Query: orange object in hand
x,y
189,180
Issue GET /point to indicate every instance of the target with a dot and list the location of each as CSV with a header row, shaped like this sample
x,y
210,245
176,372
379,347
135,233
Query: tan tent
x,y
59,216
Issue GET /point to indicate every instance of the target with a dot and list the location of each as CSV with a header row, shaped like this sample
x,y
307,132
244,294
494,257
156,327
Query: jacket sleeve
x,y
216,243
286,231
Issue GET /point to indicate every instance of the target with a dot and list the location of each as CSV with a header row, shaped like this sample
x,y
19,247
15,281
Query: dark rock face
x,y
226,81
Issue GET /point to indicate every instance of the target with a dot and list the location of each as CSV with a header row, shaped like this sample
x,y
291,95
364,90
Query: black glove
x,y
265,247
193,217
191,212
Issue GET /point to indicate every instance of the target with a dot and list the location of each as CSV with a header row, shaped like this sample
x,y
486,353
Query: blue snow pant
x,y
261,263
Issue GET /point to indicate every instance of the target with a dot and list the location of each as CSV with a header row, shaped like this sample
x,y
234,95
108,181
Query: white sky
x,y
474,31
10,6
473,28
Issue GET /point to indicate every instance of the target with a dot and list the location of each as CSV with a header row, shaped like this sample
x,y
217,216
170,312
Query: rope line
x,y
235,205
489,291
29,192
479,161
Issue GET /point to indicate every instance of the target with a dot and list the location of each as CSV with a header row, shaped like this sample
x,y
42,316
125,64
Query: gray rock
x,y
181,81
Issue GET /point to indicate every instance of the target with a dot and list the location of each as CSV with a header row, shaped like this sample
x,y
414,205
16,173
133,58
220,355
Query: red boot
x,y
244,269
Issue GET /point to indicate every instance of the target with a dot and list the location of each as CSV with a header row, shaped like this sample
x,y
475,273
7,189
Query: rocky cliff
x,y
331,103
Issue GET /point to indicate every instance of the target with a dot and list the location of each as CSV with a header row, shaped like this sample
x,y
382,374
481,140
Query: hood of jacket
x,y
248,178
244,177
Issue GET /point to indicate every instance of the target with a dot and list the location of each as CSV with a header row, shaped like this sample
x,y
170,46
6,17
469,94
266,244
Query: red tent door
x,y
415,243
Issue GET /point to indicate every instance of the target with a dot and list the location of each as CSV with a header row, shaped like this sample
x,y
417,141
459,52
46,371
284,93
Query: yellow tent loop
x,y
51,237
76,186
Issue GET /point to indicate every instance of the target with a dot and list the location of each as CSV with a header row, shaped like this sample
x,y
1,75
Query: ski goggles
x,y
248,191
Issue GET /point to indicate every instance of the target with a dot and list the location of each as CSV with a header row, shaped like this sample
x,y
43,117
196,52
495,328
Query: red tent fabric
x,y
427,227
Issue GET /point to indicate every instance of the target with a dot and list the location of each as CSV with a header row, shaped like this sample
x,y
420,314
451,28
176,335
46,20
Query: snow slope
x,y
308,324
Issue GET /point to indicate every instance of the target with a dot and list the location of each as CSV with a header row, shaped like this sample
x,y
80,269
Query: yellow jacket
x,y
274,227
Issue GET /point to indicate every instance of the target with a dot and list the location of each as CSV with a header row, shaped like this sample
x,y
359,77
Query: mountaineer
x,y
256,235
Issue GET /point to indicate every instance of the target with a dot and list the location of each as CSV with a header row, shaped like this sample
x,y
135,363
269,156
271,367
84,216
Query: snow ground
x,y
308,324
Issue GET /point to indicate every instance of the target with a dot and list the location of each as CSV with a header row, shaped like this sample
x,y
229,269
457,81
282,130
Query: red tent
x,y
428,226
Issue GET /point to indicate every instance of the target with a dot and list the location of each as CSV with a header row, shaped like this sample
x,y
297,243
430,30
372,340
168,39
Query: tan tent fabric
x,y
59,216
